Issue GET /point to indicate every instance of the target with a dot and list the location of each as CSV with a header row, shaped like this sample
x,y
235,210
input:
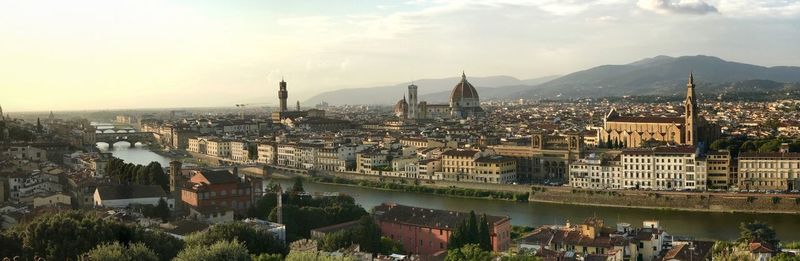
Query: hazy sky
x,y
116,54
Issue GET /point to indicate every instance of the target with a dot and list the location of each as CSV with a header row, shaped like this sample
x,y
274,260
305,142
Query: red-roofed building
x,y
222,188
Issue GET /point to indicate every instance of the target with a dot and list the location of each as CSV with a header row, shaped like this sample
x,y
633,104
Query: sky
x,y
87,55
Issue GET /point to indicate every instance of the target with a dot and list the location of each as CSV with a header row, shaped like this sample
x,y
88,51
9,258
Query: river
x,y
700,225
139,154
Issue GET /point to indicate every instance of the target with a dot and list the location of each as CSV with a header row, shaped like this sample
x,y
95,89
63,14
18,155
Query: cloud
x,y
697,7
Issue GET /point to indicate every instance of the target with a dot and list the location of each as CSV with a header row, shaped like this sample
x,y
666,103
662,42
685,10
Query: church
x,y
464,103
631,132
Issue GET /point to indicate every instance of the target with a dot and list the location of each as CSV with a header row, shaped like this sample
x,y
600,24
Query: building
x,y
240,151
220,188
719,166
427,231
197,145
267,153
769,171
596,172
218,147
590,238
52,199
632,132
122,196
463,103
661,168
546,157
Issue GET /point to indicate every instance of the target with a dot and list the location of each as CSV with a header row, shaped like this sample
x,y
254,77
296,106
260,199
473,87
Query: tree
x,y
163,244
368,235
470,252
161,210
256,241
719,144
116,251
757,231
609,144
55,236
471,231
218,251
298,185
785,257
11,245
748,146
267,257
315,256
770,146
39,126
484,235
389,246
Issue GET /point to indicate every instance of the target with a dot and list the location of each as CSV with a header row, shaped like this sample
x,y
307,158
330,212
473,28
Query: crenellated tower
x,y
283,94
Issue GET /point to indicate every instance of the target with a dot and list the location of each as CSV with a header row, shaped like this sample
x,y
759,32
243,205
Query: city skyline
x,y
157,54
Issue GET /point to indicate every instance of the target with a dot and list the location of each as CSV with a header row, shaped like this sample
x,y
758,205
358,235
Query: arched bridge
x,y
131,136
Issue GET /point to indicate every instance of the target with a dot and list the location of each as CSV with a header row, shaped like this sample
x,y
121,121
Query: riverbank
x,y
654,200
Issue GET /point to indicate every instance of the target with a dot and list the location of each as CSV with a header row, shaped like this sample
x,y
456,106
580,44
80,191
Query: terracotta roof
x,y
219,176
676,120
130,191
463,90
761,247
460,153
776,155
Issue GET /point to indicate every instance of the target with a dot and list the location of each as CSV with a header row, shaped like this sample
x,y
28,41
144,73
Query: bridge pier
x,y
133,144
110,145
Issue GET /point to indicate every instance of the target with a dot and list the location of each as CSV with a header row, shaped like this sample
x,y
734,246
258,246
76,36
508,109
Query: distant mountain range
x,y
431,90
660,75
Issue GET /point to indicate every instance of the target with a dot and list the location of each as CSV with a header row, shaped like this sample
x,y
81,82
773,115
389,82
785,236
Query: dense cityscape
x,y
243,172
421,130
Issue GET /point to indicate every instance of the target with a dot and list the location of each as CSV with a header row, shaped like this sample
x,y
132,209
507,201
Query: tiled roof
x,y
130,191
424,217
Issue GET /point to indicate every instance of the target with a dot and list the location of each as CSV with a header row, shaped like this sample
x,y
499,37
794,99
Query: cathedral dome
x,y
464,94
401,108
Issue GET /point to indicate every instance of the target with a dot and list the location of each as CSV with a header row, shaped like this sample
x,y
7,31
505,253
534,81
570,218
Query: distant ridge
x,y
432,89
664,75
659,76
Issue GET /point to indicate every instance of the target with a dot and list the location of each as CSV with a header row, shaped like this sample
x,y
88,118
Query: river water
x,y
699,225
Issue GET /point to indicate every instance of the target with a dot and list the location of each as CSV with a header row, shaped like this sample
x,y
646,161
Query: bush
x,y
776,200
223,250
751,199
116,251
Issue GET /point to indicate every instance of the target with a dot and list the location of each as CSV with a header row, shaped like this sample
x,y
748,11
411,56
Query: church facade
x,y
631,132
463,103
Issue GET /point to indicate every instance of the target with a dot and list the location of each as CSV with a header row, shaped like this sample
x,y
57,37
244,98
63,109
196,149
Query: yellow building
x,y
52,200
719,170
769,170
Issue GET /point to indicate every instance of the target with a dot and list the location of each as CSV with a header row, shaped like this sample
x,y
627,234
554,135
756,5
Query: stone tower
x,y
412,101
298,105
283,94
690,106
176,184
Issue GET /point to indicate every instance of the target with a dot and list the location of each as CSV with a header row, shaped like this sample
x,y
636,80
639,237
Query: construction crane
x,y
241,107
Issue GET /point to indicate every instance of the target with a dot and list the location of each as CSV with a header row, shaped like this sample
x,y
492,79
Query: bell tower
x,y
690,107
412,101
283,94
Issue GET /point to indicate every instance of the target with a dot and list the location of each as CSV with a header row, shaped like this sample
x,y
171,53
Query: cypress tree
x,y
484,235
472,229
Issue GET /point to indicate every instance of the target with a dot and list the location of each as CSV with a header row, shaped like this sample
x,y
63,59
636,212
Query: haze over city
x,y
77,55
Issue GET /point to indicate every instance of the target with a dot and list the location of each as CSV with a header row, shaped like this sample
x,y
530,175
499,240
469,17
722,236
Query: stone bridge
x,y
111,136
